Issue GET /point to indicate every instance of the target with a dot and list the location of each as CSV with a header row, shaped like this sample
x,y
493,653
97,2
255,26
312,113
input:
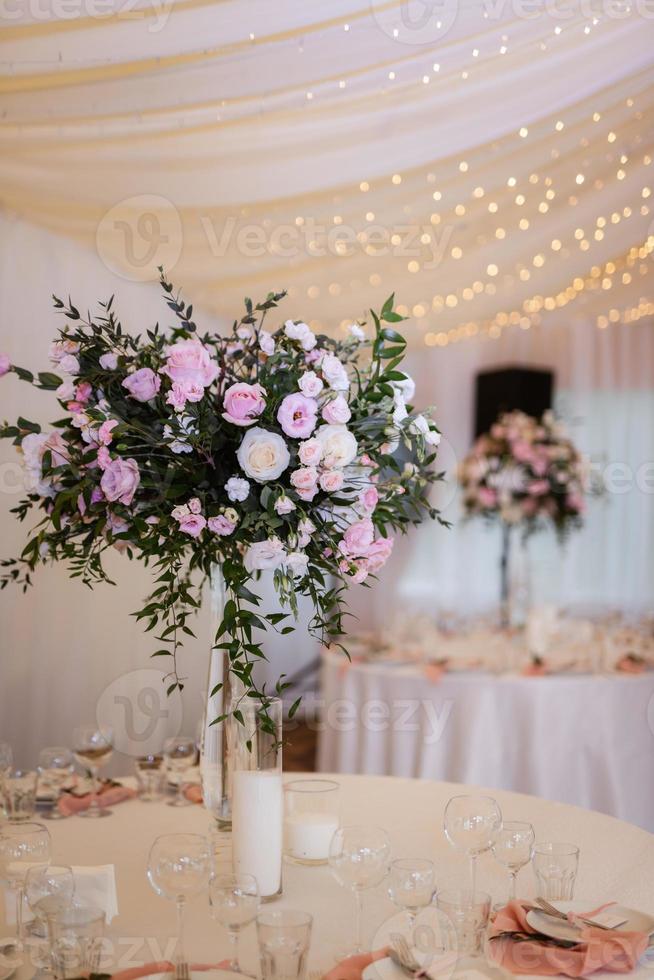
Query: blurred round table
x,y
585,739
617,863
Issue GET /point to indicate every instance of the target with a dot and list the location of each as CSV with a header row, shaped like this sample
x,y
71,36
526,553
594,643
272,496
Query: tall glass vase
x,y
215,767
515,586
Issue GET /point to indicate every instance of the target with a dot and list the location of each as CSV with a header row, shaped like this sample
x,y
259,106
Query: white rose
x,y
263,455
334,373
296,562
407,386
266,342
301,332
420,426
310,384
356,332
339,447
237,488
264,554
399,408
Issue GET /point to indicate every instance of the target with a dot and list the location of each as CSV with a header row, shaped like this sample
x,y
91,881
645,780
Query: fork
x,y
555,913
182,970
402,955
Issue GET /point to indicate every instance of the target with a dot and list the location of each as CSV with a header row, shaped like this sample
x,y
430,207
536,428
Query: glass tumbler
x,y
555,868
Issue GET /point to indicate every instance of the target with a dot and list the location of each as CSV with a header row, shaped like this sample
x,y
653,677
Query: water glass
x,y
513,849
284,938
49,890
22,845
411,885
555,868
358,858
179,868
150,778
55,770
19,794
468,913
93,749
77,948
6,762
234,901
311,818
179,753
471,824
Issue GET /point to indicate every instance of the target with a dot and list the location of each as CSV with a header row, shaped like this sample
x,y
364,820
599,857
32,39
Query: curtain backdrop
x,y
63,645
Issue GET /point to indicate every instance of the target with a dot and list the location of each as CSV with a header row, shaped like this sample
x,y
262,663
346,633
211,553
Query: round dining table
x,y
616,864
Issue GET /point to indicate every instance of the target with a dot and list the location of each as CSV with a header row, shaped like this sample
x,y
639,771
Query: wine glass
x,y
55,768
234,901
49,890
179,753
513,848
22,846
179,868
358,858
471,825
93,748
411,885
6,758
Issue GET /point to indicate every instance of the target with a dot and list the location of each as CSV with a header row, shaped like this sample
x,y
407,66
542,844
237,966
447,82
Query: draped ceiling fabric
x,y
490,162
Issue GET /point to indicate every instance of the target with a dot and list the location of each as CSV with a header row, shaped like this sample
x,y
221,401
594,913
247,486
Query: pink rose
x,y
189,361
117,525
310,452
5,364
194,505
143,384
337,411
358,538
297,415
193,525
378,553
537,488
103,458
66,391
284,505
305,478
220,525
244,403
369,499
109,361
331,481
487,496
105,431
307,494
83,392
310,384
575,502
120,480
177,396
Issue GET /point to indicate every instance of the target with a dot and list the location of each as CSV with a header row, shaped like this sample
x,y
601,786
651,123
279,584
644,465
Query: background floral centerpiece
x,y
264,449
525,473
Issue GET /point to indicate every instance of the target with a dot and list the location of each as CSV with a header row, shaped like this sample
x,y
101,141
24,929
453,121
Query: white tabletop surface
x,y
617,863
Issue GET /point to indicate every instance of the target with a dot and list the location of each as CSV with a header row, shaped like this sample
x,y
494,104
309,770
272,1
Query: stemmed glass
x,y
93,748
6,758
234,901
513,848
179,754
49,890
471,825
358,858
179,868
411,885
22,846
55,768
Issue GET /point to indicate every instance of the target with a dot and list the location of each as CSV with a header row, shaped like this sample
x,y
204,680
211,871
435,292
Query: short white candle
x,y
308,835
257,827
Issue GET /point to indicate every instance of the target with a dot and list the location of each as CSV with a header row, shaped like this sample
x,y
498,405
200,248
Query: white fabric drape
x,y
487,161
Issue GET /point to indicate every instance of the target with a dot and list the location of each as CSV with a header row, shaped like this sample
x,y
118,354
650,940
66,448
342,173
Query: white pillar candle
x,y
308,835
257,827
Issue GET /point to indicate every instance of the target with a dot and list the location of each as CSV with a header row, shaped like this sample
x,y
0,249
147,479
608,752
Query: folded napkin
x,y
349,969
108,796
193,792
95,885
434,671
598,949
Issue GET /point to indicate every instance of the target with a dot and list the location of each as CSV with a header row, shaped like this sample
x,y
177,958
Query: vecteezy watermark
x,y
139,234
137,710
154,13
426,21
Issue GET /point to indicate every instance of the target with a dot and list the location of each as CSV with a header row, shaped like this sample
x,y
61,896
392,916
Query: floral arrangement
x,y
264,449
525,472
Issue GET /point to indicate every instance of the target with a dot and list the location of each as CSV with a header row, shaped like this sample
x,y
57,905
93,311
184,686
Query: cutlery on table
x,y
545,906
400,953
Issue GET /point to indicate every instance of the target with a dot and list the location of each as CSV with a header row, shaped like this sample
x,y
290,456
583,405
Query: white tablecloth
x,y
581,739
617,862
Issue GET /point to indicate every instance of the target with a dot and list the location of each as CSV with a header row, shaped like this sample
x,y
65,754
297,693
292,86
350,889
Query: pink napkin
x,y
537,668
69,804
349,969
193,792
434,671
598,949
631,664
